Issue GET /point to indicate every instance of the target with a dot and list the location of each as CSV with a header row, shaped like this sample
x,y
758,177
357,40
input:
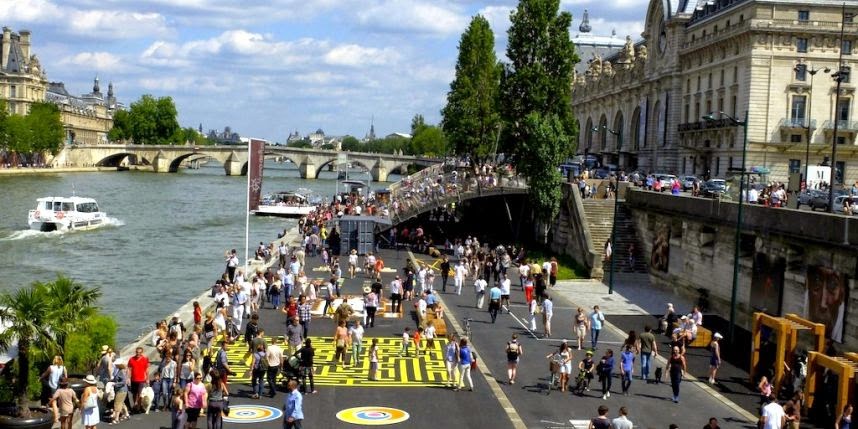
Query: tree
x,y
151,121
35,318
470,118
121,126
46,128
430,141
300,144
351,144
536,96
418,124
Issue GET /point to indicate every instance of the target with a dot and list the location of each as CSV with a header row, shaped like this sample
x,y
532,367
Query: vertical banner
x,y
255,163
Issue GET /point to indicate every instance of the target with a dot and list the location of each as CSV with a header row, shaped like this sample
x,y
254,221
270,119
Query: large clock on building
x,y
662,38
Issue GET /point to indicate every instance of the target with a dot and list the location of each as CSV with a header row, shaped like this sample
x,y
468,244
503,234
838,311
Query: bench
x,y
440,325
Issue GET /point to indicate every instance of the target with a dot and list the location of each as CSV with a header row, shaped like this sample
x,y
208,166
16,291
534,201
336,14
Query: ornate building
x,y
643,107
86,118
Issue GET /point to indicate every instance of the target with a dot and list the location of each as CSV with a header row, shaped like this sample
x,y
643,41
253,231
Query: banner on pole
x,y
255,163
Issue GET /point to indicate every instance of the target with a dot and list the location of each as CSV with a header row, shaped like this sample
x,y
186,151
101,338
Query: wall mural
x,y
660,257
825,299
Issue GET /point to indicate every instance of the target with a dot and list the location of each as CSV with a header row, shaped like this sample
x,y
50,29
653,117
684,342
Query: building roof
x,y
16,62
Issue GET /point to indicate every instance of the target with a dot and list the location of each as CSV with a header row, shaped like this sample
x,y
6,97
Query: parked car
x,y
574,168
806,195
666,181
602,173
820,201
688,182
838,204
714,188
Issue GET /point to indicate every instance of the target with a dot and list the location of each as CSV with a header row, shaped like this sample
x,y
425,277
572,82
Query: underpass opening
x,y
122,160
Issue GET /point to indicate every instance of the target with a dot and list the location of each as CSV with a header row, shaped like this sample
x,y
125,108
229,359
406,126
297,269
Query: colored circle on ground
x,y
247,414
372,416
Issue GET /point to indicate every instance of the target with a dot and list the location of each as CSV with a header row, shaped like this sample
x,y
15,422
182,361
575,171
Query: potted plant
x,y
39,318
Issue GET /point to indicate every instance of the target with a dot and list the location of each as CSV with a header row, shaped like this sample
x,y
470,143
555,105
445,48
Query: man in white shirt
x,y
274,356
480,291
459,279
395,294
421,278
773,416
523,270
505,286
622,421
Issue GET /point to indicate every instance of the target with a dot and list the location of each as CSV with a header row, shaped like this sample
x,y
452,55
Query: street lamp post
x,y
733,293
809,127
839,76
619,136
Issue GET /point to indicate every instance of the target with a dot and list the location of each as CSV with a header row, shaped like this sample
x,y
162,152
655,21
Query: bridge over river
x,y
168,158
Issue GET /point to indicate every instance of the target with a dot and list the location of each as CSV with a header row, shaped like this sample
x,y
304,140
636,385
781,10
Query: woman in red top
x,y
198,314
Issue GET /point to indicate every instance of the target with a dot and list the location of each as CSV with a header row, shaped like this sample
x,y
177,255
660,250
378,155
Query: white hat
x,y
684,317
90,380
718,336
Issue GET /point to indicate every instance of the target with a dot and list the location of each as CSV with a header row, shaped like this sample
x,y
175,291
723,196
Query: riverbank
x,y
21,171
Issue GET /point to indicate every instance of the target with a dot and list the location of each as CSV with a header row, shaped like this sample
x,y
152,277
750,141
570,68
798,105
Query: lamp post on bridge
x,y
744,124
809,126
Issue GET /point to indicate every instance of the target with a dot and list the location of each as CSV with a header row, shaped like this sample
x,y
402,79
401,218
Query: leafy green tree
x,y
351,144
165,119
535,100
121,130
328,146
46,128
152,121
80,355
430,141
301,144
470,118
71,304
418,124
18,138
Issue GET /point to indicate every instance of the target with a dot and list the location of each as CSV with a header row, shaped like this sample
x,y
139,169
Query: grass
x,y
567,268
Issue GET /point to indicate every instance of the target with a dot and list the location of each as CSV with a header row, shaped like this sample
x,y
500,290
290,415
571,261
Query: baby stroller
x,y
291,369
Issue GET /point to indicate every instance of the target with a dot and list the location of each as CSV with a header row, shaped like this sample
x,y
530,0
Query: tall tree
x,y
46,128
430,141
151,121
536,95
470,118
418,124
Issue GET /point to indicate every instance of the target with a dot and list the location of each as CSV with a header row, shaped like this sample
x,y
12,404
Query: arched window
x,y
619,128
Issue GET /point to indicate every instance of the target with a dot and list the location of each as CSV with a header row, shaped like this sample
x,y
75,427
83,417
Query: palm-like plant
x,y
40,318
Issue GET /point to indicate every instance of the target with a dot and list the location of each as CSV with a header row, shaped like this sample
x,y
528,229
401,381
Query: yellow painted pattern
x,y
394,371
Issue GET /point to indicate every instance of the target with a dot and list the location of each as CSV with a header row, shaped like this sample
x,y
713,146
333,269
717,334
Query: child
x,y
406,339
177,405
157,390
373,360
429,333
417,335
325,256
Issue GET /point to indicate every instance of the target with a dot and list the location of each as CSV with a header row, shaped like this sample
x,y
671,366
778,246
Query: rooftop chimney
x,y
25,44
5,45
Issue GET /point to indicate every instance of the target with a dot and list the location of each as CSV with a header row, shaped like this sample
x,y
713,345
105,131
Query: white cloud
x,y
355,55
27,11
498,17
117,24
623,28
413,16
98,61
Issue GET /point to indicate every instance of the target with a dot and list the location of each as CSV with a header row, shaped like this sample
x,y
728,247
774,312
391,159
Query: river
x,y
163,246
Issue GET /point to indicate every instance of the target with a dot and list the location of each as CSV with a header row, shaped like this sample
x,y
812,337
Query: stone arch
x,y
588,135
360,162
115,160
656,119
603,133
619,127
635,131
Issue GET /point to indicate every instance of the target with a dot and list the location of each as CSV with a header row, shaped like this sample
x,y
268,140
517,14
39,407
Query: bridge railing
x,y
442,184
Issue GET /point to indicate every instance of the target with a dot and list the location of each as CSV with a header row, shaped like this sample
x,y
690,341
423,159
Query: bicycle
x,y
555,361
582,382
468,328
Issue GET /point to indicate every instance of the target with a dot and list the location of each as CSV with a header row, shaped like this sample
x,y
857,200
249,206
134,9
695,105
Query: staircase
x,y
600,217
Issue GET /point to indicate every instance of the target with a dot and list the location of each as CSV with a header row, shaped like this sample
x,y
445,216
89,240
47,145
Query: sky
x,y
269,68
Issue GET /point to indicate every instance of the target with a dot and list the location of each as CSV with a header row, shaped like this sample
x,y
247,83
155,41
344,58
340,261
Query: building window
x,y
794,166
845,71
843,109
721,104
798,109
735,74
847,47
801,72
709,82
741,18
730,163
721,80
849,18
698,83
688,86
687,112
717,166
708,106
733,106
804,15
683,165
839,172
795,138
727,24
801,44
697,111
13,92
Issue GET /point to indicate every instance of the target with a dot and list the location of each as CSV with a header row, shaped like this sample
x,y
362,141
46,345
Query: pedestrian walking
x,y
845,420
396,295
649,349
356,334
494,302
676,368
581,326
533,310
714,356
274,358
773,415
306,355
480,291
459,278
627,366
406,340
445,273
622,421
465,360
514,351
606,373
601,422
62,402
451,360
596,320
547,314
373,360
218,399
293,407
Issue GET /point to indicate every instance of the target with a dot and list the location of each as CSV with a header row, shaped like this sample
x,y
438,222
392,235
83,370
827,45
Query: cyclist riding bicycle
x,y
586,368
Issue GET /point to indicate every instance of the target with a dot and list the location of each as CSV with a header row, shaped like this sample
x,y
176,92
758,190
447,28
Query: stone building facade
x,y
86,118
642,108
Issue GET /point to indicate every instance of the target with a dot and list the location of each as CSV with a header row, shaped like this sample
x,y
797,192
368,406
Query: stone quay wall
x,y
790,261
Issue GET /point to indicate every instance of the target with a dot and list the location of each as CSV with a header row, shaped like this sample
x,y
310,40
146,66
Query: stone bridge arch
x,y
116,160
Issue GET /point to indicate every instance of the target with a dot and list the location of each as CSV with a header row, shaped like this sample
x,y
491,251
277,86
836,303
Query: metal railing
x,y
841,125
796,123
441,185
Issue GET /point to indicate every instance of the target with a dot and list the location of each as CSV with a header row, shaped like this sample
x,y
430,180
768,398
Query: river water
x,y
163,246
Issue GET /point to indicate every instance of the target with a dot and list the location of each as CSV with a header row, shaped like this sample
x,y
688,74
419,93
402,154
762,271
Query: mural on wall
x,y
767,283
825,299
660,257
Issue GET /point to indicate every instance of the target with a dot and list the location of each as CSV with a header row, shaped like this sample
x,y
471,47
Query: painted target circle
x,y
252,414
373,416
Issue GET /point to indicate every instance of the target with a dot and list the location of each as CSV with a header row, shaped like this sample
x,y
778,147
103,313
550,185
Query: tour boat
x,y
286,204
65,214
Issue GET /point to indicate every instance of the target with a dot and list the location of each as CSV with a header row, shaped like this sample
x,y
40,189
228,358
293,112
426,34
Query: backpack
x,y
261,361
512,351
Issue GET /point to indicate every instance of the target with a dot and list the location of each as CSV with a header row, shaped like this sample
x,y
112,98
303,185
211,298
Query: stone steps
x,y
600,218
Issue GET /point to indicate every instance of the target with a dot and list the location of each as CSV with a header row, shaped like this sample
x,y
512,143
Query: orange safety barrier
x,y
844,366
786,330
